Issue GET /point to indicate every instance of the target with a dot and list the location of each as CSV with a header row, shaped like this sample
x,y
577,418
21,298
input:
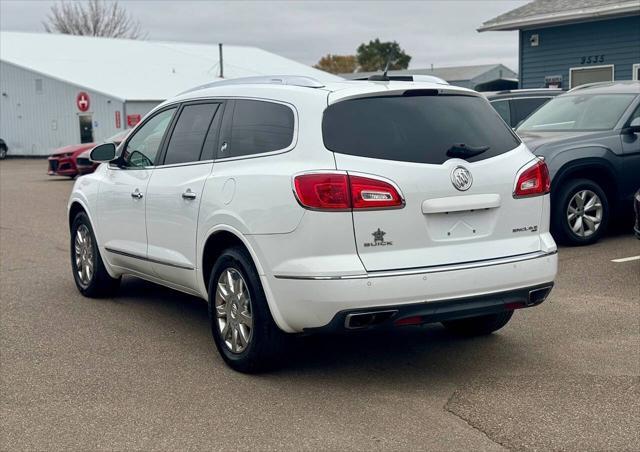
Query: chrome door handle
x,y
136,194
188,194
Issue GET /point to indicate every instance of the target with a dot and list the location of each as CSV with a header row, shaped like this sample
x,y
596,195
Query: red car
x,y
65,161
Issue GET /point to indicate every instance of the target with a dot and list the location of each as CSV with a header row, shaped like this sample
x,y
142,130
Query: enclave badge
x,y
378,239
461,178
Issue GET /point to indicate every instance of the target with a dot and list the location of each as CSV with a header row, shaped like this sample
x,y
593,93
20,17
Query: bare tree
x,y
95,18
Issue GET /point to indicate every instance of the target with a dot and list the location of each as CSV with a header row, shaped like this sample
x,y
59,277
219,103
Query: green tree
x,y
373,56
337,64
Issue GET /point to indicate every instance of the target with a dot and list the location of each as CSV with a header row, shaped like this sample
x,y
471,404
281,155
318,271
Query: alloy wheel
x,y
584,213
233,310
83,253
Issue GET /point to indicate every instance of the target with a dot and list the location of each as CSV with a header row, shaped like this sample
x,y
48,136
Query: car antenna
x,y
384,77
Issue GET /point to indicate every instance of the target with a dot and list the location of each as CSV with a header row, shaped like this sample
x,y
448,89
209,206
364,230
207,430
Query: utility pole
x,y
221,62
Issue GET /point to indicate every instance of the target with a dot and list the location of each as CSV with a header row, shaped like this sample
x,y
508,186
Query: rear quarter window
x,y
418,129
259,126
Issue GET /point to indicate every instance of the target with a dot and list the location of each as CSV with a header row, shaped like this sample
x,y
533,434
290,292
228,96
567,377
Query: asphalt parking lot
x,y
139,371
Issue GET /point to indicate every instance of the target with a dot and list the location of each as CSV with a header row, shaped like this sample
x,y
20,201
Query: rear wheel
x,y
479,326
242,326
89,272
580,212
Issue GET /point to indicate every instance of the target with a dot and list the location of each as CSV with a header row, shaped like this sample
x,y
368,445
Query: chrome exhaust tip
x,y
359,320
537,296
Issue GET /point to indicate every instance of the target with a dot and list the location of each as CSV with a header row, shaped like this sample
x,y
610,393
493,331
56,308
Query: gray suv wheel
x,y
580,212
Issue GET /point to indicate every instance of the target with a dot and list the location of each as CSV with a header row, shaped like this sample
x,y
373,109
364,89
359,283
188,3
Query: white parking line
x,y
626,259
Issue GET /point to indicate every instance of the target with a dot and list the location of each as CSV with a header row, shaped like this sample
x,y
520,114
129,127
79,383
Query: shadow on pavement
x,y
426,350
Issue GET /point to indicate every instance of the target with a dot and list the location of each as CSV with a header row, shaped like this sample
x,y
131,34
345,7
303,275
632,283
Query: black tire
x,y
560,226
267,344
478,326
3,152
100,284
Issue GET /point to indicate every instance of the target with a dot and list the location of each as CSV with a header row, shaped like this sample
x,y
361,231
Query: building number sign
x,y
592,59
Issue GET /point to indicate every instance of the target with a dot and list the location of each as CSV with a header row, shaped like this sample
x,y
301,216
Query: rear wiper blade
x,y
461,150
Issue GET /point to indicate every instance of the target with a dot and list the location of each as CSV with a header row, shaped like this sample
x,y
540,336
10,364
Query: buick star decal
x,y
378,239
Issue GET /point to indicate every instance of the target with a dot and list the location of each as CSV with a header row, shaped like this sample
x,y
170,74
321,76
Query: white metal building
x,y
483,77
57,90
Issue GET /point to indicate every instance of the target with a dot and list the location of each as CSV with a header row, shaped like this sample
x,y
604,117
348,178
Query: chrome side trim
x,y
425,270
142,258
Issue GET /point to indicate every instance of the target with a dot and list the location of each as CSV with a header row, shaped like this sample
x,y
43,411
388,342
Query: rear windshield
x,y
421,129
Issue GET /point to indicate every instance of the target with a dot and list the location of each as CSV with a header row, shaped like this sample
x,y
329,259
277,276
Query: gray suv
x,y
590,140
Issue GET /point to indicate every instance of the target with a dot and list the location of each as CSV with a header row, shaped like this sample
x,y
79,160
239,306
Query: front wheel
x,y
89,272
479,326
242,326
580,213
3,152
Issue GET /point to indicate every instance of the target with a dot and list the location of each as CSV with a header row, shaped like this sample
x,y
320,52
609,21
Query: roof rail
x,y
405,78
292,80
518,90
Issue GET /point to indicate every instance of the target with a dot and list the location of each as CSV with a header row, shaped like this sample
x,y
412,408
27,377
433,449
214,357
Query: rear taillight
x,y
342,191
368,193
323,191
533,181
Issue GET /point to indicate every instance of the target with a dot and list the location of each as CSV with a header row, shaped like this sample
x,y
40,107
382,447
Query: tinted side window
x,y
189,132
142,148
634,115
522,108
502,107
259,127
416,128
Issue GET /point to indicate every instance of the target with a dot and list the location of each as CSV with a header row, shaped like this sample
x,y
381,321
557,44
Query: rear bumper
x,y
300,304
437,311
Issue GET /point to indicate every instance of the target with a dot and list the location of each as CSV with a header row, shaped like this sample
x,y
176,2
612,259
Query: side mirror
x,y
103,152
634,127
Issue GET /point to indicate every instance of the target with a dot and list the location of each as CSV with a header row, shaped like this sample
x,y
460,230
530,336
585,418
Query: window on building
x,y
189,132
583,75
38,86
636,72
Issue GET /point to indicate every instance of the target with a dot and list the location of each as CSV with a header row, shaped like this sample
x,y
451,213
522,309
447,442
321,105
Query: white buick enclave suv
x,y
293,206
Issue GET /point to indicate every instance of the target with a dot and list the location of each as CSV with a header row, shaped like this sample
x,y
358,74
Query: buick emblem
x,y
461,178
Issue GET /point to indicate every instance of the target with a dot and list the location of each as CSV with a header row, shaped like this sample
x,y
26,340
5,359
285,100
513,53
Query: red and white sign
x,y
132,120
82,101
118,119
